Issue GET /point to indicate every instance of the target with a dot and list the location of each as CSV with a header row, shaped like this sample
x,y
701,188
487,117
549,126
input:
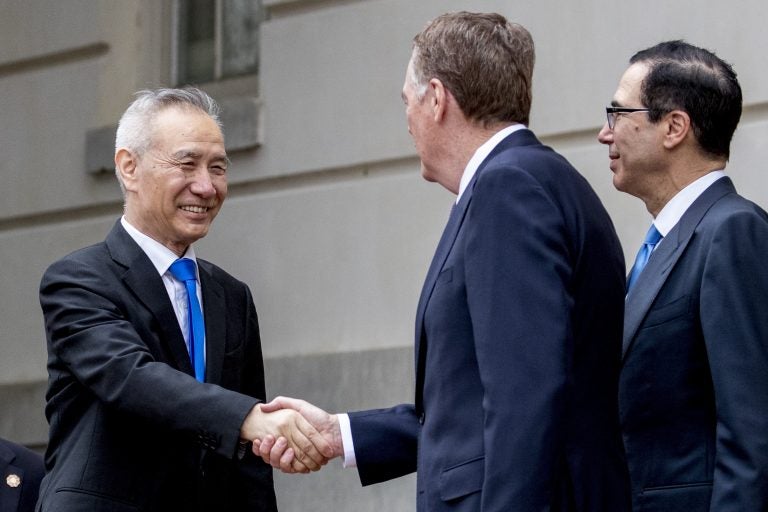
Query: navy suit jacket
x,y
20,472
518,345
130,427
694,382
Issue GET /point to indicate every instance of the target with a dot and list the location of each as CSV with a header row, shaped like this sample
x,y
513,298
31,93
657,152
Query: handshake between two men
x,y
293,435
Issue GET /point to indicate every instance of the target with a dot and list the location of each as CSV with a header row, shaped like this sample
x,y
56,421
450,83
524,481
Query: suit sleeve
x,y
735,323
91,337
385,442
517,282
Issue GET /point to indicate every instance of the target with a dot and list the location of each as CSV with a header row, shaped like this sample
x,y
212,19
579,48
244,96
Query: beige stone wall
x,y
328,220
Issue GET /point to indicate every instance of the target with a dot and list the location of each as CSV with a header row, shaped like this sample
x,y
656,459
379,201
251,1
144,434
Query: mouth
x,y
194,208
613,158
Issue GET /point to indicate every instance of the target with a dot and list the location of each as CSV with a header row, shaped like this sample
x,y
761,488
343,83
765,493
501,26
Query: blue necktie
x,y
651,239
184,270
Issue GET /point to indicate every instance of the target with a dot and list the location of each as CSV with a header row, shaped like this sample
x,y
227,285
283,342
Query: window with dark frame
x,y
215,39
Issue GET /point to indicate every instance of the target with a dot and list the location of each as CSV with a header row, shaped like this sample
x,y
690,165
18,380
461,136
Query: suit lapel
x,y
441,253
142,279
6,456
518,138
214,309
444,246
663,260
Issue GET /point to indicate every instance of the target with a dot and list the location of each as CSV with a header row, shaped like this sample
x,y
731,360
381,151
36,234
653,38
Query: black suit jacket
x,y
518,347
130,428
21,471
694,383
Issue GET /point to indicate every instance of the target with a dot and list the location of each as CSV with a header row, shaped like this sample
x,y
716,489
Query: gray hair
x,y
484,60
134,129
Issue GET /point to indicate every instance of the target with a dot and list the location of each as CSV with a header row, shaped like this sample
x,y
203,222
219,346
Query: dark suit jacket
x,y
130,428
694,383
21,471
518,341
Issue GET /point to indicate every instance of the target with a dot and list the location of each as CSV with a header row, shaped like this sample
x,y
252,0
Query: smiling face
x,y
175,189
635,146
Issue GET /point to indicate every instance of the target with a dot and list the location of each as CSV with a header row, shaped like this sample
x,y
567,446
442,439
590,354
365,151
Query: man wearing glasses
x,y
693,394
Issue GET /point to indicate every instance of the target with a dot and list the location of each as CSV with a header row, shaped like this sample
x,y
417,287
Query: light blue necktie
x,y
184,270
651,239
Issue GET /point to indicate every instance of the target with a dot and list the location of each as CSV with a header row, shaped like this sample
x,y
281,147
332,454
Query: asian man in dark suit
x,y
21,470
694,381
154,375
518,328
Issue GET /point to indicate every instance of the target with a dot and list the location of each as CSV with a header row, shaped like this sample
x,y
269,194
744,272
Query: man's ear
x,y
438,99
125,164
678,126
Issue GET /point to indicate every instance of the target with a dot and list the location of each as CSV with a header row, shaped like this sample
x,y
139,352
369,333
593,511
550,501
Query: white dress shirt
x,y
673,211
162,258
482,153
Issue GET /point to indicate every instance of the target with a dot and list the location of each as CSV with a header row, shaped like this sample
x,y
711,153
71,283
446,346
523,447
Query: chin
x,y
618,183
427,174
194,234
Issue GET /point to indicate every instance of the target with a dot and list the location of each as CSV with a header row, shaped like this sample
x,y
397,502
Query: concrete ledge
x,y
100,150
241,119
345,381
239,115
23,418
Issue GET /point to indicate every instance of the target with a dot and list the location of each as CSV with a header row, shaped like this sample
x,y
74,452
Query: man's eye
x,y
218,169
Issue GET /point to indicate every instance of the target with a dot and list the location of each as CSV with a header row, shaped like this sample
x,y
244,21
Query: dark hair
x,y
685,77
485,61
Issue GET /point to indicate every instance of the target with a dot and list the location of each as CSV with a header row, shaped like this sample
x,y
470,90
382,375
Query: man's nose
x,y
605,135
202,184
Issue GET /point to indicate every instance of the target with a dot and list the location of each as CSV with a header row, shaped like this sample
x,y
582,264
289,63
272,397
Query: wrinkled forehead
x,y
176,125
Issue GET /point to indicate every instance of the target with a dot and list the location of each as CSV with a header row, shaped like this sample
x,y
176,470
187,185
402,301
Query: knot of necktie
x,y
184,269
652,238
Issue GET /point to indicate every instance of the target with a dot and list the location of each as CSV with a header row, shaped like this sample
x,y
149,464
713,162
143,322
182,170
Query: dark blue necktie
x,y
184,270
651,239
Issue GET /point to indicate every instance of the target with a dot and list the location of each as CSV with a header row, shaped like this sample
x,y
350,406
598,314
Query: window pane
x,y
240,36
196,56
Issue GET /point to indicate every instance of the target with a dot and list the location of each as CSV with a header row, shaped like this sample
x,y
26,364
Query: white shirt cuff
x,y
346,441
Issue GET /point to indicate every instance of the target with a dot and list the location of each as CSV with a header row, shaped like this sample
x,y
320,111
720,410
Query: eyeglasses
x,y
612,113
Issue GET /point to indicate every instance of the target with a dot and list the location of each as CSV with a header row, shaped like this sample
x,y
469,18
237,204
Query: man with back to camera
x,y
693,393
518,326
154,357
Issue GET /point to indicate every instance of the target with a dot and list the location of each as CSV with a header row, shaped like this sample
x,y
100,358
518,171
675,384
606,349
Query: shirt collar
x,y
673,211
482,153
160,256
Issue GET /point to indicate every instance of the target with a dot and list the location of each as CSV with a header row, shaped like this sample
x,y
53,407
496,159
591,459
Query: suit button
x,y
421,418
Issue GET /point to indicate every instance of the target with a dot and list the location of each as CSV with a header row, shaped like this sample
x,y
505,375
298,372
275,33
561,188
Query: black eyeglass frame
x,y
610,113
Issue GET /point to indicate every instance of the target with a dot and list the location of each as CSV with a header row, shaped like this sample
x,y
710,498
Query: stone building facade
x,y
328,219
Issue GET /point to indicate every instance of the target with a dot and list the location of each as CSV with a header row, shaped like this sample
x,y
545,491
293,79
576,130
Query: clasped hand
x,y
299,438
